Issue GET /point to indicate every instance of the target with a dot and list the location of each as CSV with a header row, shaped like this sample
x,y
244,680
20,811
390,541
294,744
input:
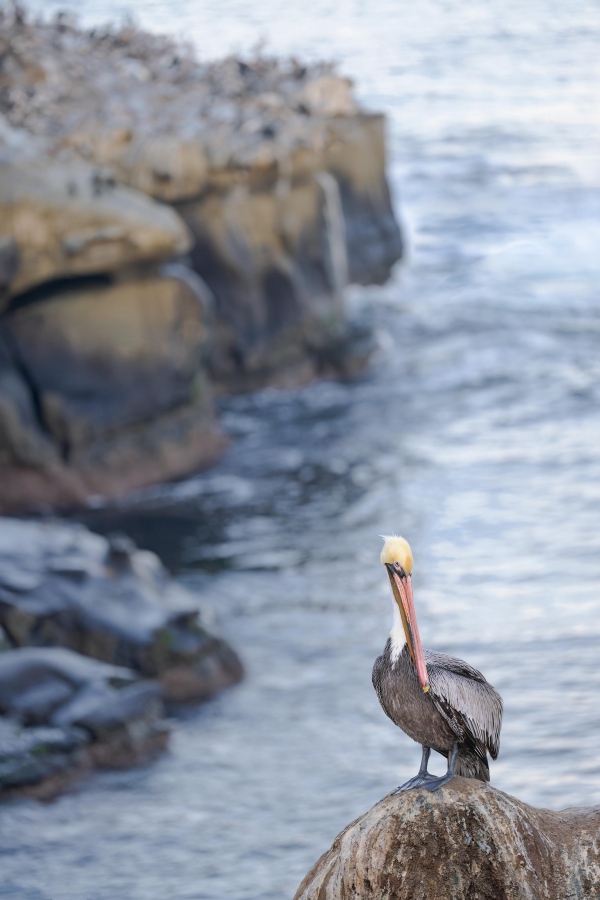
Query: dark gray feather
x,y
470,705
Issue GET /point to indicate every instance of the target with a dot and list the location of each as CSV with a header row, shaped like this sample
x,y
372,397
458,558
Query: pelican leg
x,y
418,780
427,781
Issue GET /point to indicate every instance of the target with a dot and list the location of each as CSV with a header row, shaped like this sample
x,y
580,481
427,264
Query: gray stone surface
x,y
62,713
38,684
66,219
62,586
28,756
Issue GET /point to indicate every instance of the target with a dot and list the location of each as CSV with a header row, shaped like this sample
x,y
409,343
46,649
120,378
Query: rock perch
x,y
466,841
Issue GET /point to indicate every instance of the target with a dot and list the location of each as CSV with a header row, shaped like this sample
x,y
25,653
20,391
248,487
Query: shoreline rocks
x,y
63,586
62,714
467,840
170,229
98,640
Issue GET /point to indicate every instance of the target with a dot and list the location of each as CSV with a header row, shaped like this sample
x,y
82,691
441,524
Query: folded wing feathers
x,y
465,699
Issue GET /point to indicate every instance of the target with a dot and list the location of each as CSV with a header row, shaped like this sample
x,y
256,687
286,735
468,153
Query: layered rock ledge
x,y
467,841
168,228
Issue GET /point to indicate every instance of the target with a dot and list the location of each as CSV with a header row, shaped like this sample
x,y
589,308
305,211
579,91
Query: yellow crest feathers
x,y
397,549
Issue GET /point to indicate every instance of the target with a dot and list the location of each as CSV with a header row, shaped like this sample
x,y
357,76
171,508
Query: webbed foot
x,y
427,781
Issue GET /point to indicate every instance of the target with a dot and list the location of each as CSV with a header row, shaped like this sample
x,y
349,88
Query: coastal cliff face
x,y
168,229
466,840
103,384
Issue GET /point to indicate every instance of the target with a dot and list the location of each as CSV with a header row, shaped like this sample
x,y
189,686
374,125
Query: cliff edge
x,y
168,229
467,840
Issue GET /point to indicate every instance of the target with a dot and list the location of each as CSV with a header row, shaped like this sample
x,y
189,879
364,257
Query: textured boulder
x,y
462,842
62,220
62,586
102,390
277,171
105,357
39,760
61,713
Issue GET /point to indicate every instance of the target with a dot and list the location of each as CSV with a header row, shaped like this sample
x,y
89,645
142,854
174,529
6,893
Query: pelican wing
x,y
471,706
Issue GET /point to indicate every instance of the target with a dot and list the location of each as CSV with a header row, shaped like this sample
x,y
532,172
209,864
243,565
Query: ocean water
x,y
476,434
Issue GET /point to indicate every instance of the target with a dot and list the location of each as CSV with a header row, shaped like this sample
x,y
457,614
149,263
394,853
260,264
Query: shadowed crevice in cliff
x,y
24,432
48,290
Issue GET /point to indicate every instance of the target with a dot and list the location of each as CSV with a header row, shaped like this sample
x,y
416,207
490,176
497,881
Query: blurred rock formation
x,y
62,586
168,227
97,638
464,841
62,714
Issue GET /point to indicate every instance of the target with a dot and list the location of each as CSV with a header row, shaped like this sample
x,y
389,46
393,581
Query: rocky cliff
x,y
168,228
463,842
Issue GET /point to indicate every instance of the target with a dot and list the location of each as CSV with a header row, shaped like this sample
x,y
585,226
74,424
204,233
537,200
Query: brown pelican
x,y
441,702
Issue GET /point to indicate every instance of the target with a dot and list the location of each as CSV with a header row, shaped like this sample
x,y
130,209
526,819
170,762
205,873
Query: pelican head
x,y
397,557
396,552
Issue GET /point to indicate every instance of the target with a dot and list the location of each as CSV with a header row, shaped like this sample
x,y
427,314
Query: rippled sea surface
x,y
476,434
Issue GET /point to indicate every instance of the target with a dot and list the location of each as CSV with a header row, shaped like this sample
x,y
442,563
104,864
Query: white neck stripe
x,y
397,636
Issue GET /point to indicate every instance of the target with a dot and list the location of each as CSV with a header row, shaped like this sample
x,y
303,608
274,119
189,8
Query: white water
x,y
476,435
336,230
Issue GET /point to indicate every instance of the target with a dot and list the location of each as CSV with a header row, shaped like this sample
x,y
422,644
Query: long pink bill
x,y
404,588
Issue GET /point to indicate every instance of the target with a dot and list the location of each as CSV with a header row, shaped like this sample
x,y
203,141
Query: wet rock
x,y
40,760
43,685
62,586
464,841
61,714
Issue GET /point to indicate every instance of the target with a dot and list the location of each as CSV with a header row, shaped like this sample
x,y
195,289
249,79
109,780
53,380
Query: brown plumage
x,y
441,702
460,707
